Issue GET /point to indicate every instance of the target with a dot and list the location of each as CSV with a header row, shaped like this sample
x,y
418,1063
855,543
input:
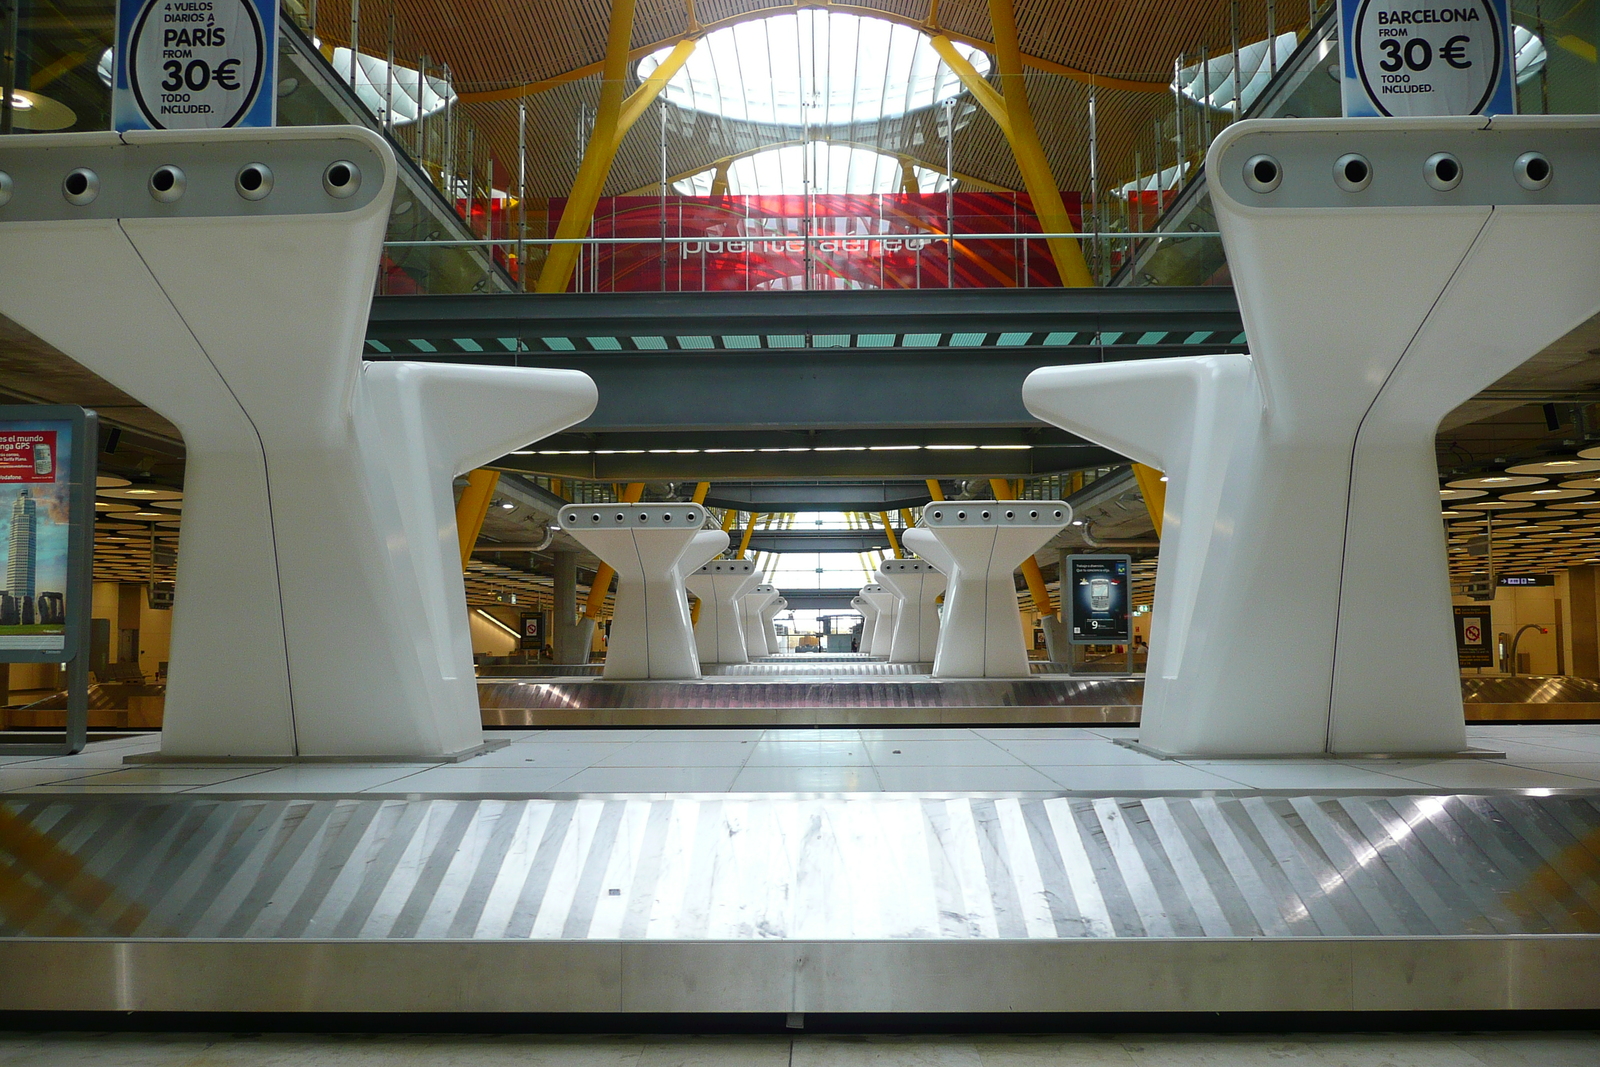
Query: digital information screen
x,y
1099,600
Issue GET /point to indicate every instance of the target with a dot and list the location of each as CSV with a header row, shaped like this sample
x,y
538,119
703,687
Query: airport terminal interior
x,y
737,531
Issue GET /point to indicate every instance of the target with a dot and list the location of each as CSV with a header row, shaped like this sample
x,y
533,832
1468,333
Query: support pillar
x,y
917,584
564,627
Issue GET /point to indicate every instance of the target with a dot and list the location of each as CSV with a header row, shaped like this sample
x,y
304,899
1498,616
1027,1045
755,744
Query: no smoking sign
x,y
195,64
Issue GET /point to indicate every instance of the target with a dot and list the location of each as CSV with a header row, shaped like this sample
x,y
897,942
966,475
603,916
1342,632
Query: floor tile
x,y
1482,774
957,779
1588,771
1110,780
166,775
975,753
691,735
1065,732
468,779
836,779
1300,774
551,752
1089,751
619,736
701,754
28,777
651,780
809,754
820,733
315,778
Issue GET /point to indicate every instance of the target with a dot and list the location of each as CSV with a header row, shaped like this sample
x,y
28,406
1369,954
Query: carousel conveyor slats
x,y
782,904
752,868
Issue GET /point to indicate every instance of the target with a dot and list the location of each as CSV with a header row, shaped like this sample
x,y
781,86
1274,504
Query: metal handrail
x,y
811,238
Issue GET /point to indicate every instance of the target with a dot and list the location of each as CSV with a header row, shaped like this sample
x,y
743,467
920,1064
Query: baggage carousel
x,y
816,690
786,905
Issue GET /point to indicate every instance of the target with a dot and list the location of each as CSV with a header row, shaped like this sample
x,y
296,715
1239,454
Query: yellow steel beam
x,y
894,542
613,118
1004,490
602,577
642,97
935,490
719,183
700,491
1155,493
930,27
472,508
744,542
729,517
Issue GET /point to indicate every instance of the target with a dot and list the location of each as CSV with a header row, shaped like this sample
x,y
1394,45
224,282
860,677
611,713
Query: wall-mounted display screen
x,y
1097,591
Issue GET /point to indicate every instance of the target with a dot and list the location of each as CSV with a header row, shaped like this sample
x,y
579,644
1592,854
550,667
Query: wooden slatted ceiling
x,y
500,44
496,44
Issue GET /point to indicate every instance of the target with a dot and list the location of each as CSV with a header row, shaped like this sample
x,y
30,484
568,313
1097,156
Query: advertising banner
x,y
1098,593
36,511
1474,640
866,241
195,64
1412,58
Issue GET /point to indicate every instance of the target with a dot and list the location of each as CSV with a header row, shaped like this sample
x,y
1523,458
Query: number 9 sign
x,y
195,64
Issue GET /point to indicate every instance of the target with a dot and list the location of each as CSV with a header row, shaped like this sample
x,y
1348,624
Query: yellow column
x,y
700,491
729,517
1004,490
613,118
1009,108
603,576
744,542
935,490
472,508
1155,493
894,542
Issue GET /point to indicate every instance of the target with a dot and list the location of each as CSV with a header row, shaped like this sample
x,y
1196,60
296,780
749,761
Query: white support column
x,y
769,629
869,620
886,602
755,602
916,625
985,541
721,586
319,593
651,636
1302,504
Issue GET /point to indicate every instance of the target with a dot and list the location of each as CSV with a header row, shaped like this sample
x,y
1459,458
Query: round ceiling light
x,y
1539,496
110,481
1574,505
140,493
1462,494
1496,481
1562,465
1489,505
1581,483
111,506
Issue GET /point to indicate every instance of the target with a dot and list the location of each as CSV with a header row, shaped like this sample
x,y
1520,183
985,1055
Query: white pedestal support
x,y
769,628
721,586
869,620
1303,603
756,630
917,584
985,541
319,606
647,545
886,603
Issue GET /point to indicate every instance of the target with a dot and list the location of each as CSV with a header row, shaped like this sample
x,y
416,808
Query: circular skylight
x,y
812,67
819,167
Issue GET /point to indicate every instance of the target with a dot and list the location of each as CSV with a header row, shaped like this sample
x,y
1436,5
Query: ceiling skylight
x,y
373,87
831,168
813,67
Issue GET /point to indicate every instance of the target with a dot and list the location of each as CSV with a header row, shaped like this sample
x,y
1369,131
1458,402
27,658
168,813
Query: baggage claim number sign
x,y
1426,57
196,64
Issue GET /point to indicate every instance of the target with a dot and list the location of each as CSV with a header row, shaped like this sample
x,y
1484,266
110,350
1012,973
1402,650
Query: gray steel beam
x,y
722,466
1142,309
812,388
818,540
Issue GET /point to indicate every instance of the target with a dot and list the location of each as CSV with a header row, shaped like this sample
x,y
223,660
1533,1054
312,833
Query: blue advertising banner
x,y
1411,58
195,64
1097,594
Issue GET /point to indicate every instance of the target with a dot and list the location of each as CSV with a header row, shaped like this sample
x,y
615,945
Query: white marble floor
x,y
1567,1049
999,759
